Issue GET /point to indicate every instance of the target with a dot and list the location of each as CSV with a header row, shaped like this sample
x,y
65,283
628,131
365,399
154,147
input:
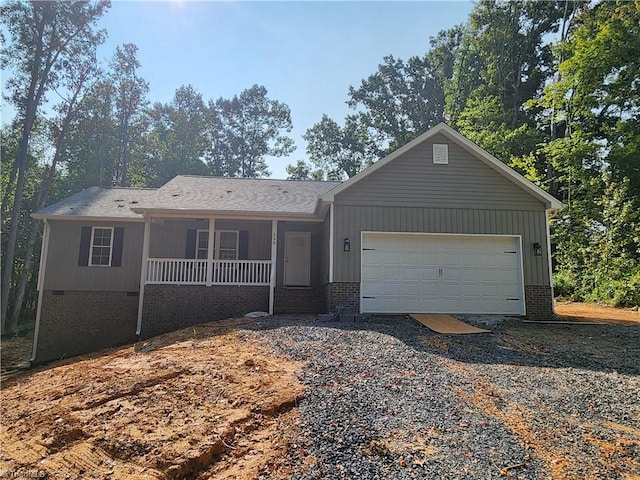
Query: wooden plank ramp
x,y
446,324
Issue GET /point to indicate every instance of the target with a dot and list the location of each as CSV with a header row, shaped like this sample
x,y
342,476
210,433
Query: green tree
x,y
245,130
77,79
303,171
92,142
43,37
401,100
338,151
594,100
177,141
507,37
504,44
448,61
130,102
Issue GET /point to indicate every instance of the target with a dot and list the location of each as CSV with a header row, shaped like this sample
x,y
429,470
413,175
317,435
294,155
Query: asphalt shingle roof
x,y
254,195
185,193
99,202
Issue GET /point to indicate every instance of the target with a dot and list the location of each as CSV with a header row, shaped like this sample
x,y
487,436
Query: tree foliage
x,y
341,152
595,98
177,141
44,39
245,130
400,100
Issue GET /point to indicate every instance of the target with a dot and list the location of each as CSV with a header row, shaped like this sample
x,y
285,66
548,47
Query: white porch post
x,y
331,240
274,257
210,250
44,251
143,270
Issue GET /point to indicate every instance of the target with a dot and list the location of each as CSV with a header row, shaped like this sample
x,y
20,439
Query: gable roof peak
x,y
550,202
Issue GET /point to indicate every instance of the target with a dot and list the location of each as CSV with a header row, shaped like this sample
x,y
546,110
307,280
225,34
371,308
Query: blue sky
x,y
306,54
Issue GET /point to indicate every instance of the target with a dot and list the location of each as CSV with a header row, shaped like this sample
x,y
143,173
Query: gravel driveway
x,y
389,399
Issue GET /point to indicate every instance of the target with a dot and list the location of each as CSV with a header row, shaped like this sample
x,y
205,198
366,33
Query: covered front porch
x,y
196,251
202,269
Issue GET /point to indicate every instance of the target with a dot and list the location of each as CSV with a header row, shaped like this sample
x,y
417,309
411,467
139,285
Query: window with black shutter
x,y
101,246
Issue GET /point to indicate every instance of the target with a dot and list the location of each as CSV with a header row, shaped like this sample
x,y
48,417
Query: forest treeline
x,y
550,88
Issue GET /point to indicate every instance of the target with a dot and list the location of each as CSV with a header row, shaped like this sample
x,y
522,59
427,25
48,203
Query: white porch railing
x,y
180,271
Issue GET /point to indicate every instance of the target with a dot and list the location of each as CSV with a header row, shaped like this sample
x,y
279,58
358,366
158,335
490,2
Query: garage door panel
x,y
412,258
471,274
397,273
428,274
450,274
411,273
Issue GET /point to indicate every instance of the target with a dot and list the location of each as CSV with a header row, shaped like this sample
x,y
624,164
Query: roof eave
x,y
85,218
189,212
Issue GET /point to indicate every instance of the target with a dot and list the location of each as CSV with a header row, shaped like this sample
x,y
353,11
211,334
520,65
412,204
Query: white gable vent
x,y
440,153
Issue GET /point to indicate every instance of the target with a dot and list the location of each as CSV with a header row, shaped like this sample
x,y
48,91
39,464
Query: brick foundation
x,y
73,322
343,294
298,300
171,307
539,301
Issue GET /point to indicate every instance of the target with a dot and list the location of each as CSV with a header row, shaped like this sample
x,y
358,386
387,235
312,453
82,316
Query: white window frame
x,y
216,243
91,246
206,247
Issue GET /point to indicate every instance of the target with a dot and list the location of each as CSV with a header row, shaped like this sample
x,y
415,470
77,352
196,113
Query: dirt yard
x,y
596,313
198,401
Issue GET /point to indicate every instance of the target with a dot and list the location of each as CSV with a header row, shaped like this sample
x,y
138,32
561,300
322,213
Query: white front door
x,y
297,259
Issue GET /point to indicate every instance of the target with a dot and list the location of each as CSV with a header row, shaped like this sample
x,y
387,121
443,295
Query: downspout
x,y
274,258
44,250
143,271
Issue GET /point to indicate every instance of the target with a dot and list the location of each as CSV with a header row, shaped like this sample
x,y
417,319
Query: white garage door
x,y
431,273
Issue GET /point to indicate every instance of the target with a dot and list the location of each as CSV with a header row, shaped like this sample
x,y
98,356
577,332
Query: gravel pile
x,y
387,398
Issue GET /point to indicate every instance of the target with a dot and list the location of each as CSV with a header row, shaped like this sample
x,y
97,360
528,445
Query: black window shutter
x,y
85,245
116,255
243,245
191,244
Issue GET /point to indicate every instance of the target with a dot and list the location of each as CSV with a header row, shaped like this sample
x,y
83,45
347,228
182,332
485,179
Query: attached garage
x,y
440,226
441,273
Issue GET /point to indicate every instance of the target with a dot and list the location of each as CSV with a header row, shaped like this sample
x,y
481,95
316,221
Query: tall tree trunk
x,y
34,95
7,193
43,195
125,156
45,188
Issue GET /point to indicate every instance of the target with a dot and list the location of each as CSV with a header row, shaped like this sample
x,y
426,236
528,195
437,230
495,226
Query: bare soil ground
x,y
590,312
204,403
198,403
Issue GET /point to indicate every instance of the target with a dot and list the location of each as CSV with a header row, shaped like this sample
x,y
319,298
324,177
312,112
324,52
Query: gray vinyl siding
x,y
62,270
412,180
169,239
351,220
